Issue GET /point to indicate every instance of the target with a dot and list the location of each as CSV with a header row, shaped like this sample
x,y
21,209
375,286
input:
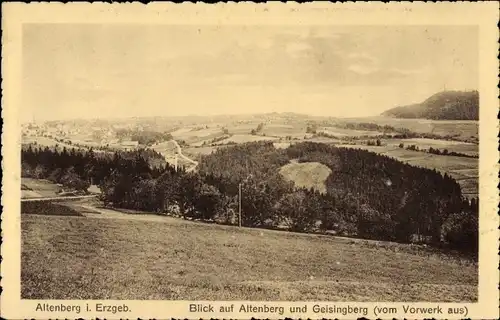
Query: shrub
x,y
460,231
298,211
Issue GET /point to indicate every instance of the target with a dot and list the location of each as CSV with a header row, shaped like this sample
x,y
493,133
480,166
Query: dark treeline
x,y
368,126
368,195
54,163
257,130
386,197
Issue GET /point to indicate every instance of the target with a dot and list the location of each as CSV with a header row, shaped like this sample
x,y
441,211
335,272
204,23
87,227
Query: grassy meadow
x,y
308,175
38,188
92,258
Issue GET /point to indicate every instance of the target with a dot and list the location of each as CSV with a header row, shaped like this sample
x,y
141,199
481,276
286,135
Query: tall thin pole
x,y
239,207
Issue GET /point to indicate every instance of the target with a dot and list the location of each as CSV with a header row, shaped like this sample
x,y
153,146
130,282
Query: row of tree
x,y
257,130
439,152
385,131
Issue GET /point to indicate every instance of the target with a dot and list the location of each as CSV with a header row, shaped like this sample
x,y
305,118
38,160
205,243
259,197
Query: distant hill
x,y
446,105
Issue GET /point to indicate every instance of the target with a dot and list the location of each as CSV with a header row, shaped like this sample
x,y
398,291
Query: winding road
x,y
179,152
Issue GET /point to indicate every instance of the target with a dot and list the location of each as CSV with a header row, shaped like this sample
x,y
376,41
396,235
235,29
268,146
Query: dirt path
x,y
179,152
102,213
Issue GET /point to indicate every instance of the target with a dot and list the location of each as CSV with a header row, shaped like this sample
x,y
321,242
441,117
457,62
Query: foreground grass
x,y
88,258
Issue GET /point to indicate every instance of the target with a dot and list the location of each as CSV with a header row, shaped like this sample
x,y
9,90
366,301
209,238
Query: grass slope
x,y
308,175
36,188
90,258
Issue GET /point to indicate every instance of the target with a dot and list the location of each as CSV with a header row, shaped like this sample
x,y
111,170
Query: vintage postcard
x,y
320,160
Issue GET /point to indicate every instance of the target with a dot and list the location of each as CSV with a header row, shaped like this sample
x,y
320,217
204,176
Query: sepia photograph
x,y
253,163
250,162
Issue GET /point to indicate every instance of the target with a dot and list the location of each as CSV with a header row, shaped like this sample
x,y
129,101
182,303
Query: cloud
x,y
296,49
360,69
362,57
110,67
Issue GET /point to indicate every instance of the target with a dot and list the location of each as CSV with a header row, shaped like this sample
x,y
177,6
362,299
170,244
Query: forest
x,y
445,105
368,195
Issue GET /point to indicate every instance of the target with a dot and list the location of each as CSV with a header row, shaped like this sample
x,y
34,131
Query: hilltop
x,y
446,105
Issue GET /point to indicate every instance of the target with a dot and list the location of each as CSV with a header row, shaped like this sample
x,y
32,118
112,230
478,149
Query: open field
x,y
308,175
451,146
334,131
52,143
197,134
45,142
194,152
284,130
36,188
241,128
167,258
242,138
165,148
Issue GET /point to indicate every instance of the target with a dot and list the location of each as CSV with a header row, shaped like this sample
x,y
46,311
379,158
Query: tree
x,y
374,224
72,181
56,175
460,231
207,202
260,193
40,172
298,211
26,169
144,195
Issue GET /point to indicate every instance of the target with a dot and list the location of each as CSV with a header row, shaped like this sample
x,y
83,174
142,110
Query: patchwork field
x,y
284,130
166,258
241,128
242,138
194,152
451,146
45,142
165,148
196,134
348,132
464,129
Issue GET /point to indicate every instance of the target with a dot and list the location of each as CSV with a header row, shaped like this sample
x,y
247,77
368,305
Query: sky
x,y
125,70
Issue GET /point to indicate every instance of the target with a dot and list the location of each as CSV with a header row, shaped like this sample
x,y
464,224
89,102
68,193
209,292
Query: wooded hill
x,y
446,105
367,195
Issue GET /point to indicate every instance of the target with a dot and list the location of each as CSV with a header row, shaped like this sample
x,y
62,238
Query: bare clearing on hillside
x,y
308,175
